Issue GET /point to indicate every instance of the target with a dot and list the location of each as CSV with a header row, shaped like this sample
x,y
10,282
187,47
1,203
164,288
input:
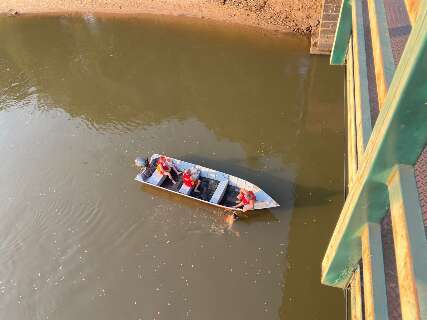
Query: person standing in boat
x,y
165,166
246,200
190,178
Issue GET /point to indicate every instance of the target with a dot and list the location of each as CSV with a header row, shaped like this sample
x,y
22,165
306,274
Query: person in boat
x,y
165,166
190,178
246,200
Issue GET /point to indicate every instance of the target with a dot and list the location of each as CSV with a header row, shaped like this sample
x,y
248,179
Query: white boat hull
x,y
263,200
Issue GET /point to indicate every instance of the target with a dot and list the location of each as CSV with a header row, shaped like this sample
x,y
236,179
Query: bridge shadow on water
x,y
279,184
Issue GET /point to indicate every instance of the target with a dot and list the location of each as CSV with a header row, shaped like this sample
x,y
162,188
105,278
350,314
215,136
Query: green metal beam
x,y
342,35
361,86
351,117
399,136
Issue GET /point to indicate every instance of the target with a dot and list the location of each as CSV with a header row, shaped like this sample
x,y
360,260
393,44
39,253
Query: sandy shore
x,y
299,16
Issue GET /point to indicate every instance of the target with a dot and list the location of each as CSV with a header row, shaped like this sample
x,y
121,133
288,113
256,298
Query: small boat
x,y
220,189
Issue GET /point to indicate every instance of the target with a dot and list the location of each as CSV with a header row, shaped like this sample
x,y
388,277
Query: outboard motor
x,y
141,162
146,169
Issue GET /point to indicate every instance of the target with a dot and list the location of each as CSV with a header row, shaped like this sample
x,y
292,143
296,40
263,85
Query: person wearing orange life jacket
x,y
190,179
165,166
246,200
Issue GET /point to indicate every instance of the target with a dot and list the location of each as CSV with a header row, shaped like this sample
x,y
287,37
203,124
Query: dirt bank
x,y
300,16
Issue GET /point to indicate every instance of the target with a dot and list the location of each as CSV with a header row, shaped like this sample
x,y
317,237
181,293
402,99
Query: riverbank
x,y
298,16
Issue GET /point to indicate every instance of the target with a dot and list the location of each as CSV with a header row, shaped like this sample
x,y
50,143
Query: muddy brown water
x,y
81,97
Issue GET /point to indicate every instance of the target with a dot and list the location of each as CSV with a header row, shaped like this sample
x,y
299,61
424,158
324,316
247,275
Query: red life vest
x,y
246,198
162,165
186,179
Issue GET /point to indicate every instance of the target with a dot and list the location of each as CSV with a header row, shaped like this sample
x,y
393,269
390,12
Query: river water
x,y
81,97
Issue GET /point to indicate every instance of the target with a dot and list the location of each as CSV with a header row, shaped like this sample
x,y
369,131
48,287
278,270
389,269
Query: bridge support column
x,y
410,242
373,273
356,296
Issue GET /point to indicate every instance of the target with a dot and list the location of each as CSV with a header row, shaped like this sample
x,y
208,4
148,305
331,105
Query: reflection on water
x,y
81,97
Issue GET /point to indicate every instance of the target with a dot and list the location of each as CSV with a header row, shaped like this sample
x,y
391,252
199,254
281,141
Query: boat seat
x,y
186,189
219,192
156,178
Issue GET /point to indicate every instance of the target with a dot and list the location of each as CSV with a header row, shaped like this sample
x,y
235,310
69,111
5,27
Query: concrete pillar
x,y
323,41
